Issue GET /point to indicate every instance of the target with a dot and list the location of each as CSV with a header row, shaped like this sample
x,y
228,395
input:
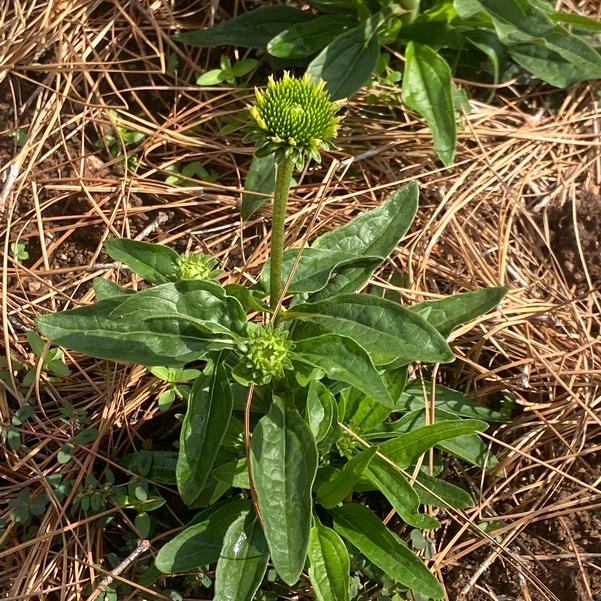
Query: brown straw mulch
x,y
521,209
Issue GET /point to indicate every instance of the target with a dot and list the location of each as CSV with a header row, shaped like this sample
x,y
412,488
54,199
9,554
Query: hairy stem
x,y
280,199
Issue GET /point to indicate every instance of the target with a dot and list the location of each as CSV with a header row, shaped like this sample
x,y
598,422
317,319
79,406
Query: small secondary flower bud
x,y
196,267
264,355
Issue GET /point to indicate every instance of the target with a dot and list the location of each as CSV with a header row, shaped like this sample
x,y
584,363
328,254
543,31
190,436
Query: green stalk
x,y
280,198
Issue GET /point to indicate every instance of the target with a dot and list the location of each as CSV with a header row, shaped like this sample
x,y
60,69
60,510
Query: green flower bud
x,y
294,118
264,355
196,267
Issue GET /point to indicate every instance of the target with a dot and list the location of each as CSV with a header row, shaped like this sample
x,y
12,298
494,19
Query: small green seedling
x,y
228,72
183,175
117,142
19,251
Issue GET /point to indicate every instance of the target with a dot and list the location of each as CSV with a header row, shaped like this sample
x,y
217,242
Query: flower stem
x,y
280,198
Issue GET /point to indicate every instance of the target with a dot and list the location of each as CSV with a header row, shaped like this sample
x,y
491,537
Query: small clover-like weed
x,y
228,72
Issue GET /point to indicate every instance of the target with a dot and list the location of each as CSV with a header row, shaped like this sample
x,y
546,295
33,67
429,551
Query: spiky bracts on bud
x,y
264,355
196,267
294,118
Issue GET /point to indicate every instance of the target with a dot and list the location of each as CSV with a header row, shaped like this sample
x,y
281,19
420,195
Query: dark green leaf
x,y
154,262
315,268
436,34
143,524
86,436
373,233
157,466
200,543
329,564
364,413
407,447
304,39
344,360
333,491
446,399
520,22
400,494
382,547
581,22
209,410
387,331
427,90
348,62
548,65
104,289
284,463
198,302
488,43
320,410
448,313
438,493
234,473
260,179
251,29
173,339
243,560
249,299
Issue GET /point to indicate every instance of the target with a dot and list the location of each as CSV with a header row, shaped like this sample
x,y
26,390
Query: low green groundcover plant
x,y
303,416
346,42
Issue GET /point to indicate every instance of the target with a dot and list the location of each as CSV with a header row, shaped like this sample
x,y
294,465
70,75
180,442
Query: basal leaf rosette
x,y
294,118
264,355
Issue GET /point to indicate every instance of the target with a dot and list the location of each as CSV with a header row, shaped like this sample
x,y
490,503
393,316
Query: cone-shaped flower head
x,y
196,267
294,118
264,355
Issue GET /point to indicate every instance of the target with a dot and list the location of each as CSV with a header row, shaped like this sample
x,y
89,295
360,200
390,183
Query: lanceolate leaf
x,y
320,409
373,233
438,493
448,313
446,399
548,65
251,29
344,360
260,178
304,39
365,531
200,543
154,262
332,492
329,564
316,267
387,331
347,63
527,29
194,301
167,341
234,473
405,448
364,413
400,494
427,90
243,560
209,410
284,464
104,289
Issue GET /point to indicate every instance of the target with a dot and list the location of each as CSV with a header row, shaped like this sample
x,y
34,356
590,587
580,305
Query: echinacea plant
x,y
304,417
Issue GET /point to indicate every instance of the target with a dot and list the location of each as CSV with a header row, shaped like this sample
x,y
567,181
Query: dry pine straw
x,y
484,223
